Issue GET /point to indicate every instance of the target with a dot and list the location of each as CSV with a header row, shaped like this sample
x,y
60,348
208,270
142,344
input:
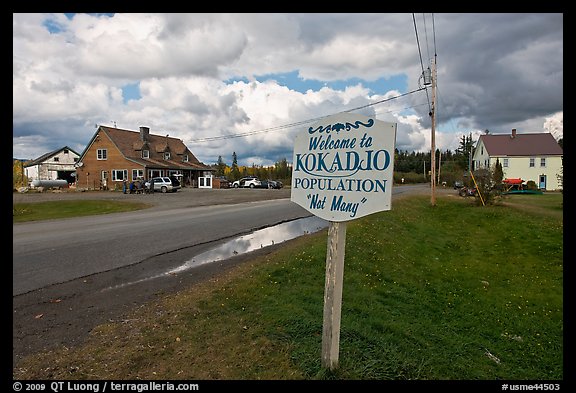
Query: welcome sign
x,y
343,167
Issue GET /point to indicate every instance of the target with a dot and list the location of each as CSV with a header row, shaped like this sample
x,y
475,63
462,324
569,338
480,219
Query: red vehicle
x,y
467,191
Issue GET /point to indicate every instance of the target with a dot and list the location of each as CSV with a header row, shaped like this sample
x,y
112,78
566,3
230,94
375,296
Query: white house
x,y
536,157
58,164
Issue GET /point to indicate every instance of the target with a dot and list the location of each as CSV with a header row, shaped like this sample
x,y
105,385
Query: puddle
x,y
255,240
258,239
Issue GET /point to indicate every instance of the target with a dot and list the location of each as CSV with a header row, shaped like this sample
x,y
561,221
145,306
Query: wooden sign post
x,y
343,170
333,294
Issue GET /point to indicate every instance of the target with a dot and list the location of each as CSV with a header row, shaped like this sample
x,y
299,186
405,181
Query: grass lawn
x,y
452,292
23,212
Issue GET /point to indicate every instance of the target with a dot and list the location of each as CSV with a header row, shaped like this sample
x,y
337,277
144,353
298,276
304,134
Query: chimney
x,y
513,133
144,131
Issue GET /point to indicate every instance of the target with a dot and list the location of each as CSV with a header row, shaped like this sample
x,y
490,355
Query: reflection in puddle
x,y
243,244
255,240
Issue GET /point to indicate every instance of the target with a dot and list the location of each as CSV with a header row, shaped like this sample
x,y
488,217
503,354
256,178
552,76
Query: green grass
x,y
452,292
23,212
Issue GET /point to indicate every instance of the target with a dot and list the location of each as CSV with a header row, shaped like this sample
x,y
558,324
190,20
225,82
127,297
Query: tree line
x,y
412,167
281,170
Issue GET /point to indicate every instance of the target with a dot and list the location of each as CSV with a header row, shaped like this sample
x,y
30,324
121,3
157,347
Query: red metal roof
x,y
542,144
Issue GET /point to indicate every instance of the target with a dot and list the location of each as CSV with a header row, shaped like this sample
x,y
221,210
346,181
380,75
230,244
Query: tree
x,y
486,193
498,175
464,151
235,171
282,170
220,167
18,177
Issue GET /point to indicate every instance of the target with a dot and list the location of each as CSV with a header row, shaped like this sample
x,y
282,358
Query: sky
x,y
248,83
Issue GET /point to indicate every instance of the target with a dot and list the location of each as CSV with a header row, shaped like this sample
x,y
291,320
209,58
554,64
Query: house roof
x,y
46,156
521,144
130,145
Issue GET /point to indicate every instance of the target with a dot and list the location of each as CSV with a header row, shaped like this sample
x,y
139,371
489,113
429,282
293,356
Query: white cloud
x,y
495,71
555,124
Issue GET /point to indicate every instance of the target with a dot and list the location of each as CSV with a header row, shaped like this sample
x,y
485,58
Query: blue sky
x,y
131,91
293,81
202,76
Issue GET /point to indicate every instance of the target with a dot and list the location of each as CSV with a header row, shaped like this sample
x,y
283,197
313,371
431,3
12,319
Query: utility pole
x,y
439,166
433,137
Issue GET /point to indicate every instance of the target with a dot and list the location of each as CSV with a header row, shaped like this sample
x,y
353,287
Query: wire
x,y
418,43
299,123
400,110
421,62
426,35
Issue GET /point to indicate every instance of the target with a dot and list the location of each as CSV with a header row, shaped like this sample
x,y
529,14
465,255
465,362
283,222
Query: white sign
x,y
343,167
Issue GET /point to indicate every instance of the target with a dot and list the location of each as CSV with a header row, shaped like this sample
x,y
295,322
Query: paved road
x,y
56,251
46,253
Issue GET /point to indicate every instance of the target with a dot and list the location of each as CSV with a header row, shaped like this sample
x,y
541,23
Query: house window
x,y
154,173
145,153
185,158
102,154
542,162
75,159
167,155
505,163
482,150
532,162
136,173
65,151
56,159
119,174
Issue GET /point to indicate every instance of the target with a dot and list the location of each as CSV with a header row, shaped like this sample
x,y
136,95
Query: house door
x,y
542,182
104,180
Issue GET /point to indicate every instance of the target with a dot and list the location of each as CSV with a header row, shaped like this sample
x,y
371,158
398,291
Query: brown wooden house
x,y
114,155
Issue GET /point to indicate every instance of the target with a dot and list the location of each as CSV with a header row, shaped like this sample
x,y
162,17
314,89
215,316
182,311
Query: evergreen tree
x,y
220,167
235,171
498,175
464,151
282,170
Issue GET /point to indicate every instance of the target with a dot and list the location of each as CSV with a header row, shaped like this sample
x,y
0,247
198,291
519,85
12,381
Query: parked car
x,y
276,184
458,184
245,182
163,184
272,184
265,184
176,181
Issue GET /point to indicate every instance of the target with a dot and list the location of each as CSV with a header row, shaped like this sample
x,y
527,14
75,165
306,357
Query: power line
x,y
399,110
299,123
418,43
421,62
426,35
